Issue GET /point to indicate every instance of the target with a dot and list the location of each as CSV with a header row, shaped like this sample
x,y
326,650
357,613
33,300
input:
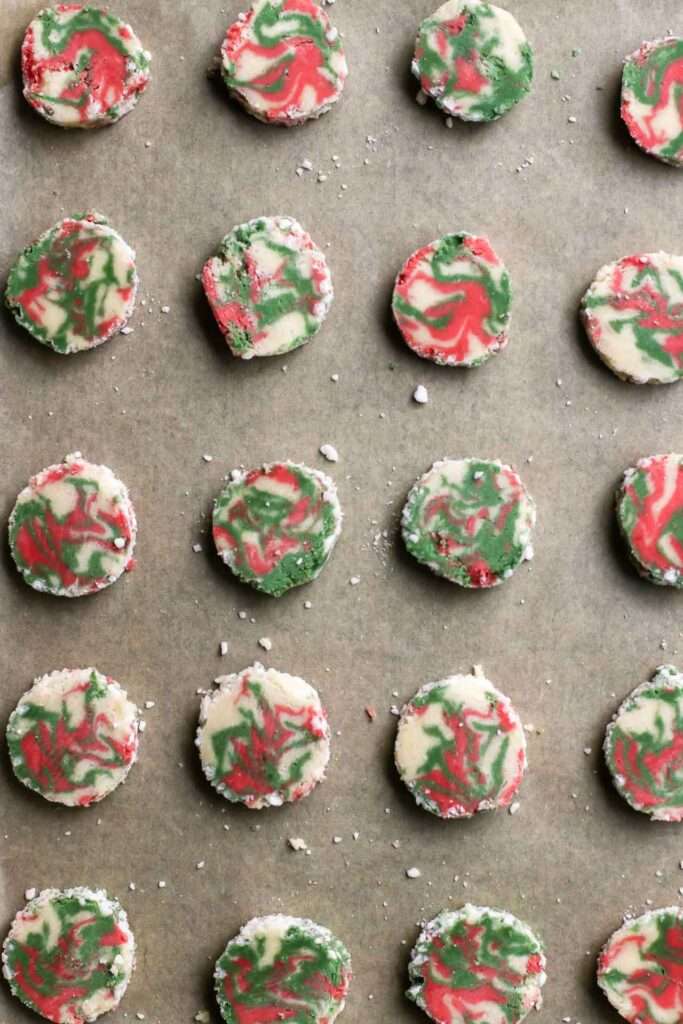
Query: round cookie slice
x,y
269,287
284,61
72,530
75,287
477,964
650,517
633,315
69,955
650,98
282,968
639,968
73,737
263,737
275,527
452,300
644,746
82,67
469,520
460,747
473,59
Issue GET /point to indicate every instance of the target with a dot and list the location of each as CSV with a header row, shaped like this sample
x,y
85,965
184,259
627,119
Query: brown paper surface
x,y
173,177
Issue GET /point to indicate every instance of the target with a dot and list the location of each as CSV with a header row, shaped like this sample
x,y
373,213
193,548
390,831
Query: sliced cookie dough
x,y
473,59
69,955
263,737
75,287
283,968
460,747
651,98
644,746
469,520
73,737
452,301
639,968
650,517
275,527
633,315
72,530
284,61
477,964
82,67
269,287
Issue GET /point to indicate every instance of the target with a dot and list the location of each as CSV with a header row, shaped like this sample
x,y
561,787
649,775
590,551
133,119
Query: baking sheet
x,y
567,638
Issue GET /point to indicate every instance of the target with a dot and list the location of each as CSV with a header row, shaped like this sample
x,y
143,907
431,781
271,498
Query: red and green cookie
x,y
269,287
284,61
75,287
473,59
282,968
477,964
460,747
640,968
651,98
644,746
452,301
275,527
263,737
72,530
650,517
69,955
469,520
633,315
73,737
82,67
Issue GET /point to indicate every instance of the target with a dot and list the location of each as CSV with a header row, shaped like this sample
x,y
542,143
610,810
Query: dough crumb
x,y
421,395
413,873
329,452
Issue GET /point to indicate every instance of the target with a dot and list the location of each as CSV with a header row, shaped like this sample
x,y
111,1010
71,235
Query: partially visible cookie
x,y
650,98
633,315
650,517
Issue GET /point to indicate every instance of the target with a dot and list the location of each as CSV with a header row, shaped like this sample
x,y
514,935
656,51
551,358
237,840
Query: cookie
x,y
477,964
75,287
82,67
69,955
460,747
284,61
639,968
644,746
73,737
263,738
650,98
469,520
275,527
650,517
72,530
269,287
282,968
451,301
633,315
473,59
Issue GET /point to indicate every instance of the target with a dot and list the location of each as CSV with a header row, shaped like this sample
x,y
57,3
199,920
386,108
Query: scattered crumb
x,y
223,648
371,713
413,873
329,452
298,844
266,643
421,395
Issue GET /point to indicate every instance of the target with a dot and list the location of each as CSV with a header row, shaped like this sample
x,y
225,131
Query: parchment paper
x,y
567,638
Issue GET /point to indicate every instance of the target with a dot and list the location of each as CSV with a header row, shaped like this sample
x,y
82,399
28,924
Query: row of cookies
x,y
285,63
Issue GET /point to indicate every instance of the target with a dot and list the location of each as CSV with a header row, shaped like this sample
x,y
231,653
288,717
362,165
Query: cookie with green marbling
x,y
275,527
470,521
